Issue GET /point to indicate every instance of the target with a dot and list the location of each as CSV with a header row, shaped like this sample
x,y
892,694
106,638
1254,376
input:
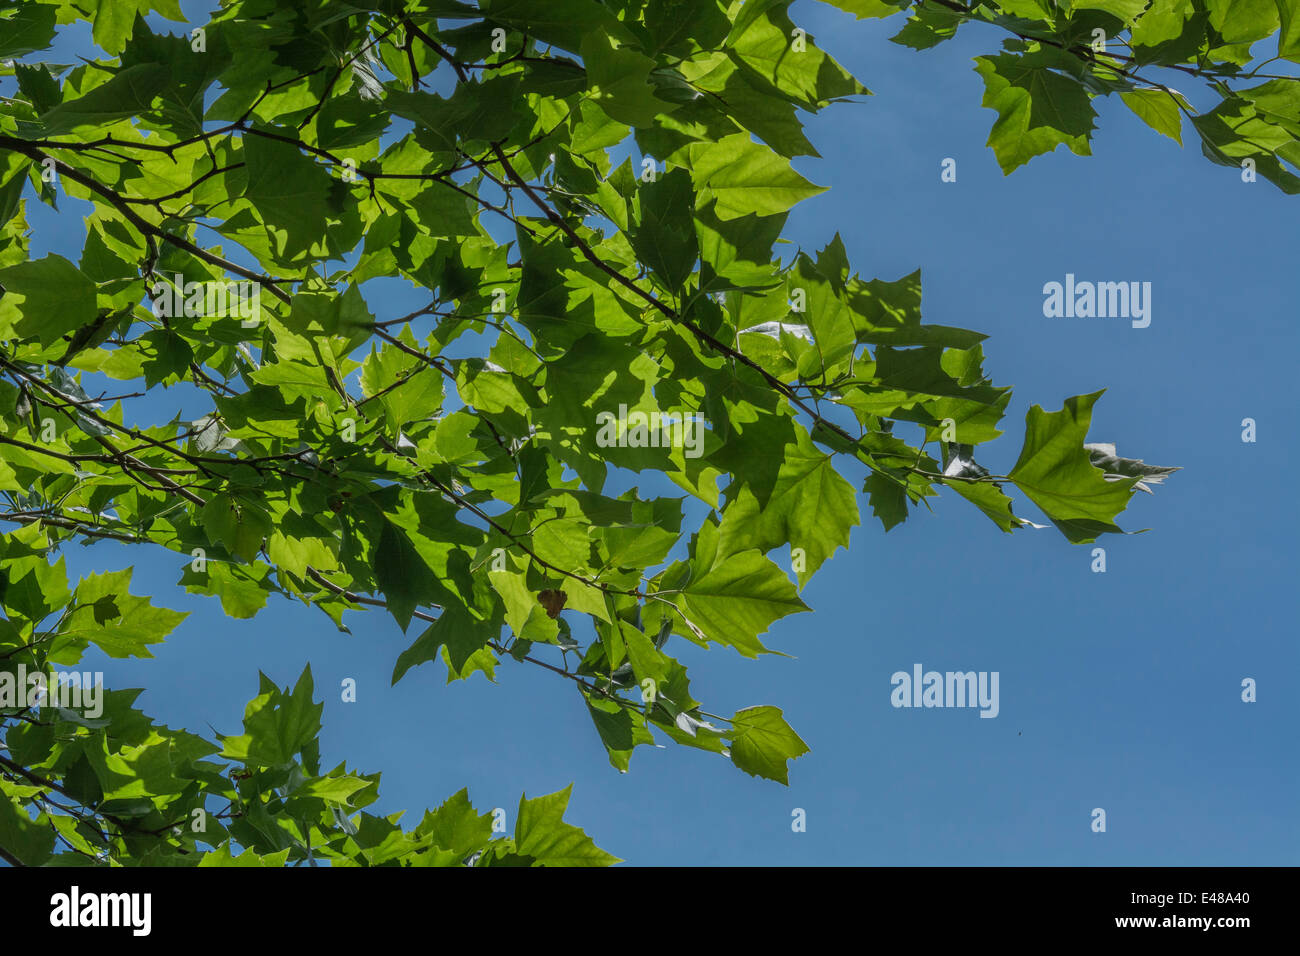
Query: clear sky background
x,y
1118,690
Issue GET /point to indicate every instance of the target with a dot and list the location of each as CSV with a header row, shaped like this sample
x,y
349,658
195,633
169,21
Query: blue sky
x,y
1118,690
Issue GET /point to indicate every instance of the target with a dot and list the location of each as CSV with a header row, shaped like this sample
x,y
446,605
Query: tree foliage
x,y
590,195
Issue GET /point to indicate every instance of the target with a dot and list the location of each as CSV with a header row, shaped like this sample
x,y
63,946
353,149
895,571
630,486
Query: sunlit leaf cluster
x,y
588,199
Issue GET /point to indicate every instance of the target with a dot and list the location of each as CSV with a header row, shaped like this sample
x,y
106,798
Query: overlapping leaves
x,y
467,466
90,779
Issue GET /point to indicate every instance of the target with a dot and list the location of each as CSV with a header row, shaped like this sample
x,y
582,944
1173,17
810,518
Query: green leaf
x,y
737,600
565,23
762,743
278,725
35,588
290,191
130,92
1124,10
736,253
686,25
1038,109
243,589
811,506
764,41
294,379
888,499
119,623
989,498
1162,22
1261,123
403,576
929,26
114,20
541,833
1243,21
46,298
747,178
11,192
442,211
1054,470
746,99
31,841
462,639
665,237
222,857
1288,37
455,826
1158,110
620,81
862,9
621,729
26,28
240,526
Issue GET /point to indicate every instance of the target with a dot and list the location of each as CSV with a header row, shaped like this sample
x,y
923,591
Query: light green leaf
x,y
1158,110
762,743
1124,10
1163,21
245,858
455,825
811,506
765,42
129,93
107,615
541,833
277,724
747,178
1054,470
737,600
862,9
620,81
